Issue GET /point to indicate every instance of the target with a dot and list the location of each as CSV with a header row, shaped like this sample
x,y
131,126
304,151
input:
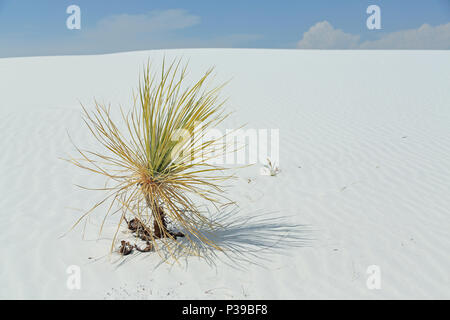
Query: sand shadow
x,y
244,239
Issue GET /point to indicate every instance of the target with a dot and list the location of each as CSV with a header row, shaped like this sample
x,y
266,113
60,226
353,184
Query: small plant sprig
x,y
270,169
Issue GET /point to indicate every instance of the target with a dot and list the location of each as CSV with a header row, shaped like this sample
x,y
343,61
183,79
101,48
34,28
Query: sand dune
x,y
365,180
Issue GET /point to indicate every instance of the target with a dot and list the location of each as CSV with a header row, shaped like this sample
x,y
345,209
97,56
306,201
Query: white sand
x,y
365,159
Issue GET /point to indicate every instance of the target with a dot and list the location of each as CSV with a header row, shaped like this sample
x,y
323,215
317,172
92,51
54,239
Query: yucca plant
x,y
159,158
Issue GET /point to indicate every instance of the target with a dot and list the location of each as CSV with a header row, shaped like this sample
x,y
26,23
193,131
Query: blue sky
x,y
36,27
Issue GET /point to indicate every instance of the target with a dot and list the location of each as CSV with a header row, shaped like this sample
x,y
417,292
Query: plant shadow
x,y
238,240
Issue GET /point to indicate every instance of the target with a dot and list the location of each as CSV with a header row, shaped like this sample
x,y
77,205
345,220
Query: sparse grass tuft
x,y
270,169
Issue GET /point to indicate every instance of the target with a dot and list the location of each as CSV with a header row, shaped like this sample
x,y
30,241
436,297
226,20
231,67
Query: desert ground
x,y
364,153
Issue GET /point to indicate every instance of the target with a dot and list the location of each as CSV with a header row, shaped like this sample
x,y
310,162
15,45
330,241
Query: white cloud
x,y
130,32
157,29
154,21
425,37
125,32
324,36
